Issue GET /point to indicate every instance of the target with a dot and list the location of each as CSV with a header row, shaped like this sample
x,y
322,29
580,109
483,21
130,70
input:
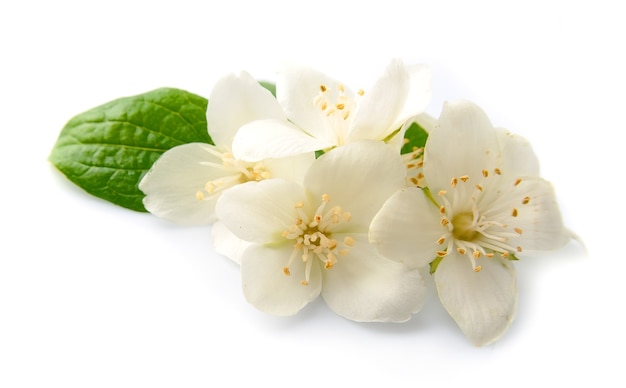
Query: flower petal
x,y
173,181
407,227
292,168
264,139
517,155
296,88
226,243
359,177
483,303
462,143
260,211
365,287
538,217
266,286
236,100
378,111
420,92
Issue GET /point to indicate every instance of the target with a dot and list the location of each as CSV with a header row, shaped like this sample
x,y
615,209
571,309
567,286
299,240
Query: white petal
x,y
365,287
420,92
359,177
483,303
260,211
266,286
296,88
236,100
517,155
266,139
462,143
226,243
407,227
292,168
539,220
378,111
173,181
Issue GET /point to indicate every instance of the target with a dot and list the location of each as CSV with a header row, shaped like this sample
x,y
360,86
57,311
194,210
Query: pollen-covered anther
x,y
489,255
199,195
519,249
479,187
518,231
485,173
514,212
476,254
441,240
517,181
442,209
497,171
453,182
304,282
444,221
360,92
464,178
340,106
461,251
505,254
349,241
478,268
442,193
323,88
525,200
441,253
286,271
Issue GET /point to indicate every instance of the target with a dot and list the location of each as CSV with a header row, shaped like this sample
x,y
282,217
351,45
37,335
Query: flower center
x,y
235,172
337,106
463,227
313,237
473,217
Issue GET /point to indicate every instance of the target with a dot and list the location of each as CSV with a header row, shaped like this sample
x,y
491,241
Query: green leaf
x,y
415,137
434,264
269,86
107,150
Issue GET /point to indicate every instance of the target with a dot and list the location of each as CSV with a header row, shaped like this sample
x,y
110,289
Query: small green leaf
x,y
269,86
434,264
107,150
416,136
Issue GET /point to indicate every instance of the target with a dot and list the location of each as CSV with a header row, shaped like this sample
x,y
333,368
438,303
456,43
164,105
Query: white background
x,y
92,295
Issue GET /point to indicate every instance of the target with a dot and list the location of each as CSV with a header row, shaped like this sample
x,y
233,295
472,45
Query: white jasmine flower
x,y
323,113
312,239
485,205
185,182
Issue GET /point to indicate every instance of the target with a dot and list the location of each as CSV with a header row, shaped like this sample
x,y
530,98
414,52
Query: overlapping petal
x,y
379,110
366,287
226,243
236,100
260,211
405,228
263,139
359,177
